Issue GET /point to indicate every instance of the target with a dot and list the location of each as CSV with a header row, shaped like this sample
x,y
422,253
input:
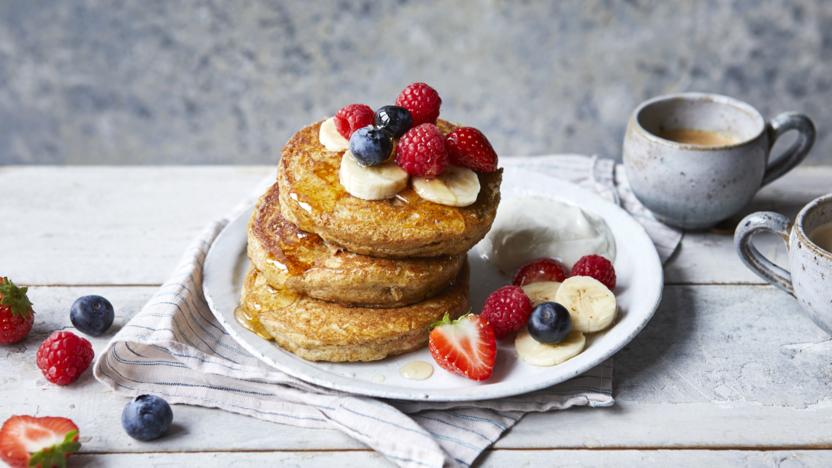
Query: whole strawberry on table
x,y
16,314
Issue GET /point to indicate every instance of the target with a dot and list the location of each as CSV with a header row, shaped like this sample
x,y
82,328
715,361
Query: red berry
x,y
597,267
507,310
63,357
465,346
352,117
468,147
16,315
42,442
422,101
542,269
421,151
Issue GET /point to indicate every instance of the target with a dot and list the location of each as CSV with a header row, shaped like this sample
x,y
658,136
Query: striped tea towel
x,y
176,349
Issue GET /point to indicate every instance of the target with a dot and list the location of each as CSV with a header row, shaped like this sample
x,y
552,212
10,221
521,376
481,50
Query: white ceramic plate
x,y
638,292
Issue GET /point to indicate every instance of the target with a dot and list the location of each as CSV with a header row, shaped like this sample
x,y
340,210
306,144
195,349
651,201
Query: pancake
x,y
302,262
312,198
323,331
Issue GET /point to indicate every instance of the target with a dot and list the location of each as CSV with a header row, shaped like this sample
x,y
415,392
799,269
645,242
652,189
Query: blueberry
x,y
549,323
92,315
371,146
146,417
394,119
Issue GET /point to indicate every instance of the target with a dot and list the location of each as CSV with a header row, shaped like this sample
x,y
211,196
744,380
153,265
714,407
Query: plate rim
x,y
330,380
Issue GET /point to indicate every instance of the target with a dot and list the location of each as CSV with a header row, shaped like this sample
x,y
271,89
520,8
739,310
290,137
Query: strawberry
x,y
16,315
465,346
63,357
507,310
352,117
422,101
42,442
542,269
597,267
421,151
468,147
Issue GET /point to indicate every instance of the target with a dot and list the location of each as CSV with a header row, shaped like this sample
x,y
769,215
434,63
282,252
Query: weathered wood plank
x,y
98,225
496,458
719,367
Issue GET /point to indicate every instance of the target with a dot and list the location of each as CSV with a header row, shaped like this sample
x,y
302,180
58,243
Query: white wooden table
x,y
729,372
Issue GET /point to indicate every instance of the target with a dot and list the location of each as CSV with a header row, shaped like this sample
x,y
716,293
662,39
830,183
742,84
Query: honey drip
x,y
251,322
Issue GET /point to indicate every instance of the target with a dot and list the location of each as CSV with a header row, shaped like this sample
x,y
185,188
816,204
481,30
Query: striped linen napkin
x,y
176,349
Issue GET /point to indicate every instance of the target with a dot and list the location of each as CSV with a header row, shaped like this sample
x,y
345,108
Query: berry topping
x,y
550,323
542,269
597,267
422,101
352,117
92,315
468,147
507,310
63,357
146,417
371,146
394,119
421,151
464,346
16,315
42,442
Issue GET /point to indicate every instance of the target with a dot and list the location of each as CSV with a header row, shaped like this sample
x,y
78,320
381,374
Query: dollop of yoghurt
x,y
530,227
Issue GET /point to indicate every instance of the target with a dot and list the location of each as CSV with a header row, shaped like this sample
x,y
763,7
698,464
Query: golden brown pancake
x,y
324,331
300,261
312,198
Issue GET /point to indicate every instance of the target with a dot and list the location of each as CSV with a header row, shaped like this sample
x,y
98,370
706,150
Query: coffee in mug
x,y
822,236
697,137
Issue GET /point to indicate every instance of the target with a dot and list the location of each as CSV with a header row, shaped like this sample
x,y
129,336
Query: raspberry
x,y
468,147
542,269
421,151
352,117
507,310
597,267
422,101
63,357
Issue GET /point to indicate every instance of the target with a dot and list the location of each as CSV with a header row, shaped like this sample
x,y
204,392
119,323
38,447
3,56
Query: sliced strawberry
x,y
465,346
44,442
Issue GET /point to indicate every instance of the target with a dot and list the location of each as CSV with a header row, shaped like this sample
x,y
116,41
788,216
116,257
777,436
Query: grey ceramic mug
x,y
695,186
809,277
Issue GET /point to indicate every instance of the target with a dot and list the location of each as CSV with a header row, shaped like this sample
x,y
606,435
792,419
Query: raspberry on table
x,y
541,269
421,151
422,101
468,147
596,267
507,310
352,117
63,357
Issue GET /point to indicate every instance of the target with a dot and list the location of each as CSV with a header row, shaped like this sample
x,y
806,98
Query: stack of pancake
x,y
338,278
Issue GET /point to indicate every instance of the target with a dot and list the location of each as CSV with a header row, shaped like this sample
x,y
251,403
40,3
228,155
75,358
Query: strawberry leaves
x,y
15,298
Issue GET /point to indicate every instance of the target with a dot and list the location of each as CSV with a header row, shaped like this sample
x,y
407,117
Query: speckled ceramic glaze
x,y
694,186
809,277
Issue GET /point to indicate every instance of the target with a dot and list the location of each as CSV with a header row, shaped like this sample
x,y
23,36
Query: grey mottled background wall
x,y
212,81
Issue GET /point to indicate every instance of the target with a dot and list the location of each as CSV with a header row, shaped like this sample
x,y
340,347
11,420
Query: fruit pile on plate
x,y
385,148
548,311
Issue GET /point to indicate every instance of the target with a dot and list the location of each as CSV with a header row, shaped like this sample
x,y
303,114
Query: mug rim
x,y
743,106
801,232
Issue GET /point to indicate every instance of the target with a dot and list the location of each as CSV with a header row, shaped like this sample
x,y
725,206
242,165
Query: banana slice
x,y
541,291
544,355
457,186
371,183
591,305
330,138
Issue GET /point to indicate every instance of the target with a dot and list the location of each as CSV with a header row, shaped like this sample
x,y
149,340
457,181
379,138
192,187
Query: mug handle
x,y
776,127
764,268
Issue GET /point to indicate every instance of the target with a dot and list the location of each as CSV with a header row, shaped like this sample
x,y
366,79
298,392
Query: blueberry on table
x,y
146,417
549,323
394,119
92,315
371,146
